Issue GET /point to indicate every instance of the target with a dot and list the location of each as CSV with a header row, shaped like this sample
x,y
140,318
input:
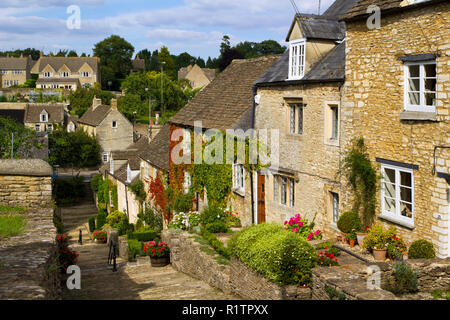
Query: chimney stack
x,y
96,102
41,54
114,104
157,118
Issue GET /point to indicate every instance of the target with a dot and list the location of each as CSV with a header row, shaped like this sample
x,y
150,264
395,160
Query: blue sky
x,y
194,26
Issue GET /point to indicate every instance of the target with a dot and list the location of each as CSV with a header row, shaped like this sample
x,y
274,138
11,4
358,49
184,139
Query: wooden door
x,y
261,198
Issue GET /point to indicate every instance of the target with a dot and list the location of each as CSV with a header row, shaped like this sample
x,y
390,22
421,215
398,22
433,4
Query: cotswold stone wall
x,y
25,183
374,103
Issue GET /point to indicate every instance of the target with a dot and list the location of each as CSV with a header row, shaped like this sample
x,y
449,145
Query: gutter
x,y
294,82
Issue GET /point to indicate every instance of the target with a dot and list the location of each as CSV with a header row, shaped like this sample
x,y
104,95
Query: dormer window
x,y
48,74
64,74
44,117
297,53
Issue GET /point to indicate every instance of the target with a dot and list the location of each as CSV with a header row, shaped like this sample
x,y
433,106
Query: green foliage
x,y
57,222
114,196
214,219
280,256
216,179
421,249
378,237
362,178
441,294
139,224
333,293
165,57
123,226
91,224
143,236
258,49
101,219
23,139
77,148
68,191
217,227
183,202
115,217
349,222
11,209
208,250
215,243
96,181
81,99
404,280
152,219
11,225
134,248
138,190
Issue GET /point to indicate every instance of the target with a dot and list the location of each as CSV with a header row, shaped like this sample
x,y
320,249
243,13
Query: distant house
x,y
198,77
112,129
72,123
138,65
43,117
14,71
67,72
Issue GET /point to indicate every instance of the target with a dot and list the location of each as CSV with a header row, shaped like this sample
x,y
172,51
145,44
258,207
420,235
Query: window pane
x,y
291,193
335,198
335,124
414,71
292,120
414,84
430,85
430,70
430,98
406,194
389,205
405,179
275,188
389,175
283,190
389,190
414,98
300,119
406,209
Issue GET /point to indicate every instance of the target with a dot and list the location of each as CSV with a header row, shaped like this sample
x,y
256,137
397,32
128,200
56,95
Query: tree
x,y
211,63
200,62
258,49
183,60
24,139
72,53
115,53
154,62
61,53
227,57
83,55
169,67
225,45
81,99
131,103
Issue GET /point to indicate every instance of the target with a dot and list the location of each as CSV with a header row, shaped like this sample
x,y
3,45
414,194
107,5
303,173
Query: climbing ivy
x,y
362,178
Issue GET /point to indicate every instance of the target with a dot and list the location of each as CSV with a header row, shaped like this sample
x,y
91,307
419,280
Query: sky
x,y
193,26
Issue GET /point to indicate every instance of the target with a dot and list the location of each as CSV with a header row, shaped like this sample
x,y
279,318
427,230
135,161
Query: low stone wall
x,y
186,256
25,183
28,262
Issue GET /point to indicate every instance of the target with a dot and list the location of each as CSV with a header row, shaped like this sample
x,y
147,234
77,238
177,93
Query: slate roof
x,y
157,152
57,80
16,115
73,63
227,98
330,68
95,117
359,11
317,27
55,112
339,8
10,63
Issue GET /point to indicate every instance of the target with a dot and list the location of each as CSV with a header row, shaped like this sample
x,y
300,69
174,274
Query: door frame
x,y
255,200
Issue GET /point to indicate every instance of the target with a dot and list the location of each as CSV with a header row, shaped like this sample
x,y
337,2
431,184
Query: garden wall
x,y
25,183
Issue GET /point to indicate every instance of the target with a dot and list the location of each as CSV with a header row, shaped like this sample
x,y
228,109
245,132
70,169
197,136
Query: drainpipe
x,y
255,90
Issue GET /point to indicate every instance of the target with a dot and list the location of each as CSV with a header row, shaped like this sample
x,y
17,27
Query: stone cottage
x,y
43,117
112,129
198,77
397,96
15,71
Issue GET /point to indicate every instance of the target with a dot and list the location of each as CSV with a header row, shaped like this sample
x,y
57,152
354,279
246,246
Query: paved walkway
x,y
132,281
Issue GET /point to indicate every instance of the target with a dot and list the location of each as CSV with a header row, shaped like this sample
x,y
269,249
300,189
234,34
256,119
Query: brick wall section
x,y
374,99
25,183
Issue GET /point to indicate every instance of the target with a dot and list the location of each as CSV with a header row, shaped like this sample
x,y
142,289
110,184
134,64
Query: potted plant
x,y
351,238
362,234
159,253
378,239
396,248
100,236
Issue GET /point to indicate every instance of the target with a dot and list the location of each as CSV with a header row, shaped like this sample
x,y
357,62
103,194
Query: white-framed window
x,y
291,193
54,86
334,122
86,74
111,166
296,118
105,157
284,190
114,124
420,86
239,177
48,74
44,117
3,71
187,181
64,74
397,193
68,86
297,53
17,71
49,127
335,206
37,127
276,188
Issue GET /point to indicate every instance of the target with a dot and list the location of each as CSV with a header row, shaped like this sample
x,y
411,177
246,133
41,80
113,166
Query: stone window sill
x,y
396,221
239,192
418,115
332,142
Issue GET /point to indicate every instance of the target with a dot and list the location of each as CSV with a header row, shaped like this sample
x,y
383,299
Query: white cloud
x,y
48,3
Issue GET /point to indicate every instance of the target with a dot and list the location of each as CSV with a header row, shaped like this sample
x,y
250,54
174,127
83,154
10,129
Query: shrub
x,y
123,226
183,202
233,219
100,235
101,218
57,222
185,221
143,236
134,248
91,224
396,248
139,225
67,257
349,222
213,214
421,249
378,237
217,227
301,226
96,181
405,279
280,256
152,218
215,243
327,259
115,218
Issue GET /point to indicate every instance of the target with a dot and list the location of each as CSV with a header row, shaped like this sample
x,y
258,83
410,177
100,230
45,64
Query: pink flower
x,y
300,224
291,222
285,223
297,220
317,233
297,215
311,235
294,229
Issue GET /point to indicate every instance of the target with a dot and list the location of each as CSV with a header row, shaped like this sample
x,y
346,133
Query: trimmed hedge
x,y
91,224
134,248
143,236
421,249
349,221
280,256
101,218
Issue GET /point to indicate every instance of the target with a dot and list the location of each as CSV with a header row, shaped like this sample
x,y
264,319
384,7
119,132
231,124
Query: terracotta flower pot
x,y
158,262
344,239
352,243
360,237
379,254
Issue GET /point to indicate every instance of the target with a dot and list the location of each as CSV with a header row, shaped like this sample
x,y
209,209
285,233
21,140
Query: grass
x,y
11,209
200,240
11,225
222,260
208,250
441,294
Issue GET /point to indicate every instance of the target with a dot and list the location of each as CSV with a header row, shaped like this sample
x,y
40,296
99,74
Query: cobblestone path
x,y
132,281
